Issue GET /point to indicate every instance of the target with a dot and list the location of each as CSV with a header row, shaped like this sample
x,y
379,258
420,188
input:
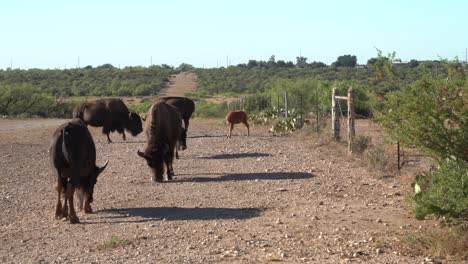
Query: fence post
x,y
335,117
351,130
278,109
286,104
316,109
302,110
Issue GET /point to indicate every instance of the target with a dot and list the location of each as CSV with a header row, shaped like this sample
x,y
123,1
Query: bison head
x,y
134,124
155,160
86,190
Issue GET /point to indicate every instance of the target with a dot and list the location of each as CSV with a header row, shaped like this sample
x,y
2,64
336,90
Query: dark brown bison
x,y
236,117
73,157
185,106
163,127
111,114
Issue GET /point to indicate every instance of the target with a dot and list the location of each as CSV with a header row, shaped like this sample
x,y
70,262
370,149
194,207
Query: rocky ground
x,y
250,199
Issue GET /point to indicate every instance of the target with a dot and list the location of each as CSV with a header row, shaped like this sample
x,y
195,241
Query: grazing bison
x,y
73,157
236,117
163,127
185,106
111,114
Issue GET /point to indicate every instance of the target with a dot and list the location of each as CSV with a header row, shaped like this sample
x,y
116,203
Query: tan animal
x,y
236,117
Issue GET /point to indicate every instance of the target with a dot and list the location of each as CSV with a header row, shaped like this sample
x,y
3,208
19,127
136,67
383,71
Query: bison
x,y
185,106
73,157
163,127
236,117
111,114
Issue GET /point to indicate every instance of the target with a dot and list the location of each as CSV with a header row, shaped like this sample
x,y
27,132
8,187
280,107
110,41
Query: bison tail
x,y
66,143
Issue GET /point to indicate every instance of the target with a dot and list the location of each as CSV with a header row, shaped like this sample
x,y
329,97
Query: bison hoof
x,y
74,220
88,210
156,179
58,215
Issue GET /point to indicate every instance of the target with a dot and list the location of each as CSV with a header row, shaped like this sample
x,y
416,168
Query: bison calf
x,y
73,157
236,117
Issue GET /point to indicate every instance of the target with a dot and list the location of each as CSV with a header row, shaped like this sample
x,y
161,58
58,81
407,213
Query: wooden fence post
x,y
286,104
335,117
301,112
351,130
316,109
278,109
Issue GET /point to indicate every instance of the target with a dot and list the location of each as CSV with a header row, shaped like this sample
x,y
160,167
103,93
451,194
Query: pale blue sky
x,y
52,34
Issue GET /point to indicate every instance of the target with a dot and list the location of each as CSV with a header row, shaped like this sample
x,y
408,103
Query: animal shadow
x,y
179,213
238,156
252,176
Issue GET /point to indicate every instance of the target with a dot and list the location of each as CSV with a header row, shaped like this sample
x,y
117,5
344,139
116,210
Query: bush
x,y
444,192
28,101
142,107
210,110
378,159
432,115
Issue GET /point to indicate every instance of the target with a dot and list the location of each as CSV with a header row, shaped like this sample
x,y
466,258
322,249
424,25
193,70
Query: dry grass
x,y
114,242
446,242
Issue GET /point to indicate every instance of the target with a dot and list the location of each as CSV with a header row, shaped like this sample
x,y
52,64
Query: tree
x,y
252,63
301,62
317,64
185,67
346,61
271,61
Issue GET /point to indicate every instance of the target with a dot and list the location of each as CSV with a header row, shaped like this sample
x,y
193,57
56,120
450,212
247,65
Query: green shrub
x,y
444,191
142,107
431,115
115,242
283,124
210,110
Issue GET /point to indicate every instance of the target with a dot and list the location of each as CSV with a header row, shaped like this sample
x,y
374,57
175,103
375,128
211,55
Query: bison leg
x,y
168,160
186,123
87,207
122,131
108,138
247,126
58,205
106,132
69,196
177,154
231,127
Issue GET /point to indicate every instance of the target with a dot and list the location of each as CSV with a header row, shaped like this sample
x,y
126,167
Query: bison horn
x,y
99,170
143,118
105,165
130,115
141,154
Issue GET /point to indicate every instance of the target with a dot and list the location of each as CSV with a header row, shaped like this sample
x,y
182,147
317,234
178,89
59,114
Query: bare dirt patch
x,y
244,200
180,84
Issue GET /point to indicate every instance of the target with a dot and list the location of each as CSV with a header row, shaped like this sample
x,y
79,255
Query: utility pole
x,y
227,59
78,62
151,61
11,63
466,55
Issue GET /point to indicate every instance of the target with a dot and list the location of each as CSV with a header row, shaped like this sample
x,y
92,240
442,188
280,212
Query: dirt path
x,y
180,84
250,199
